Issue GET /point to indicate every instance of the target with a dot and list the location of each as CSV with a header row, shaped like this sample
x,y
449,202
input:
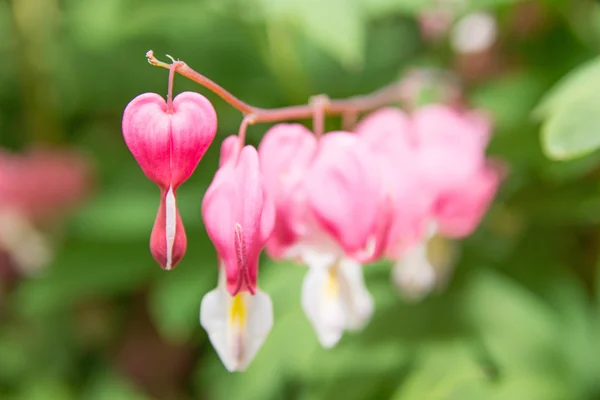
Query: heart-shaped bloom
x,y
168,141
286,153
450,145
239,218
346,195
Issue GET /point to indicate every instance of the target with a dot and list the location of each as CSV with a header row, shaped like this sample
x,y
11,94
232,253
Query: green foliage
x,y
571,121
520,318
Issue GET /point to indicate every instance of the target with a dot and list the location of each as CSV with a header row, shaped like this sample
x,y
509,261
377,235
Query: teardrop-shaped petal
x,y
168,241
237,326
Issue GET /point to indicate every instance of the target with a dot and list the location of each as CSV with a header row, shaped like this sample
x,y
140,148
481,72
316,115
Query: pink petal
x,y
451,145
233,210
168,241
345,190
193,127
286,152
168,147
229,149
459,212
147,133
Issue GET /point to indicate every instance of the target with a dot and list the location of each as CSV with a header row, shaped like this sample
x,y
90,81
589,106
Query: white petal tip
x,y
236,326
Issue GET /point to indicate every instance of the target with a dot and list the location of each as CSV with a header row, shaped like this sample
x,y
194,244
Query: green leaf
x,y
579,83
573,129
521,335
342,36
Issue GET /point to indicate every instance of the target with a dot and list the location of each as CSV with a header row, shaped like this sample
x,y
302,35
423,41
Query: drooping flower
x,y
439,181
168,140
239,218
286,153
346,195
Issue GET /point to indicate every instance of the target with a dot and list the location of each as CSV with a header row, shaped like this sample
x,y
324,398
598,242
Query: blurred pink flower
x,y
36,188
41,183
437,178
286,153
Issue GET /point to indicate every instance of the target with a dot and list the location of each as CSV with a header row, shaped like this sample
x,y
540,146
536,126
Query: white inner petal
x,y
171,225
236,326
322,305
334,296
358,302
414,274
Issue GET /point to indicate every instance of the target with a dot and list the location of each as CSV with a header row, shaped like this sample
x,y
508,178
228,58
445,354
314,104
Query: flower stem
x,y
354,105
172,69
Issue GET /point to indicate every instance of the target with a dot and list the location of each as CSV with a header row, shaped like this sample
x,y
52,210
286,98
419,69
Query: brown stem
x,y
172,69
248,120
356,104
319,103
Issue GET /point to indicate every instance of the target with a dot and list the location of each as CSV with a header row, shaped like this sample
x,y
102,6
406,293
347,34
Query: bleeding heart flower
x,y
346,194
459,211
239,219
286,153
451,145
168,139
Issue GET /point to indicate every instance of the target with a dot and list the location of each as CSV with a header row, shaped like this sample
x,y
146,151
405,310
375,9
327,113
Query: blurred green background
x,y
520,318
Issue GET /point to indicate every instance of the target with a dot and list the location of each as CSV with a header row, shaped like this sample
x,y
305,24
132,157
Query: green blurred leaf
x,y
573,129
175,299
522,336
45,388
571,121
579,83
110,386
343,36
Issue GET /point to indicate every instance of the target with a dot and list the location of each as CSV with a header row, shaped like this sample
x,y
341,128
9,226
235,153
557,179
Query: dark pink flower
x,y
233,209
168,141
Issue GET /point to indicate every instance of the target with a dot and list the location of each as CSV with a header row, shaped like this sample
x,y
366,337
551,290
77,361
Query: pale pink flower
x,y
286,153
434,165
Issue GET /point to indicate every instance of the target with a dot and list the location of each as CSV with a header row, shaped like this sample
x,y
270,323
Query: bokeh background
x,y
85,313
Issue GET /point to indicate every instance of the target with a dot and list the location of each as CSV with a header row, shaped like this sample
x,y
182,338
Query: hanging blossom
x,y
332,215
439,180
387,188
239,219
